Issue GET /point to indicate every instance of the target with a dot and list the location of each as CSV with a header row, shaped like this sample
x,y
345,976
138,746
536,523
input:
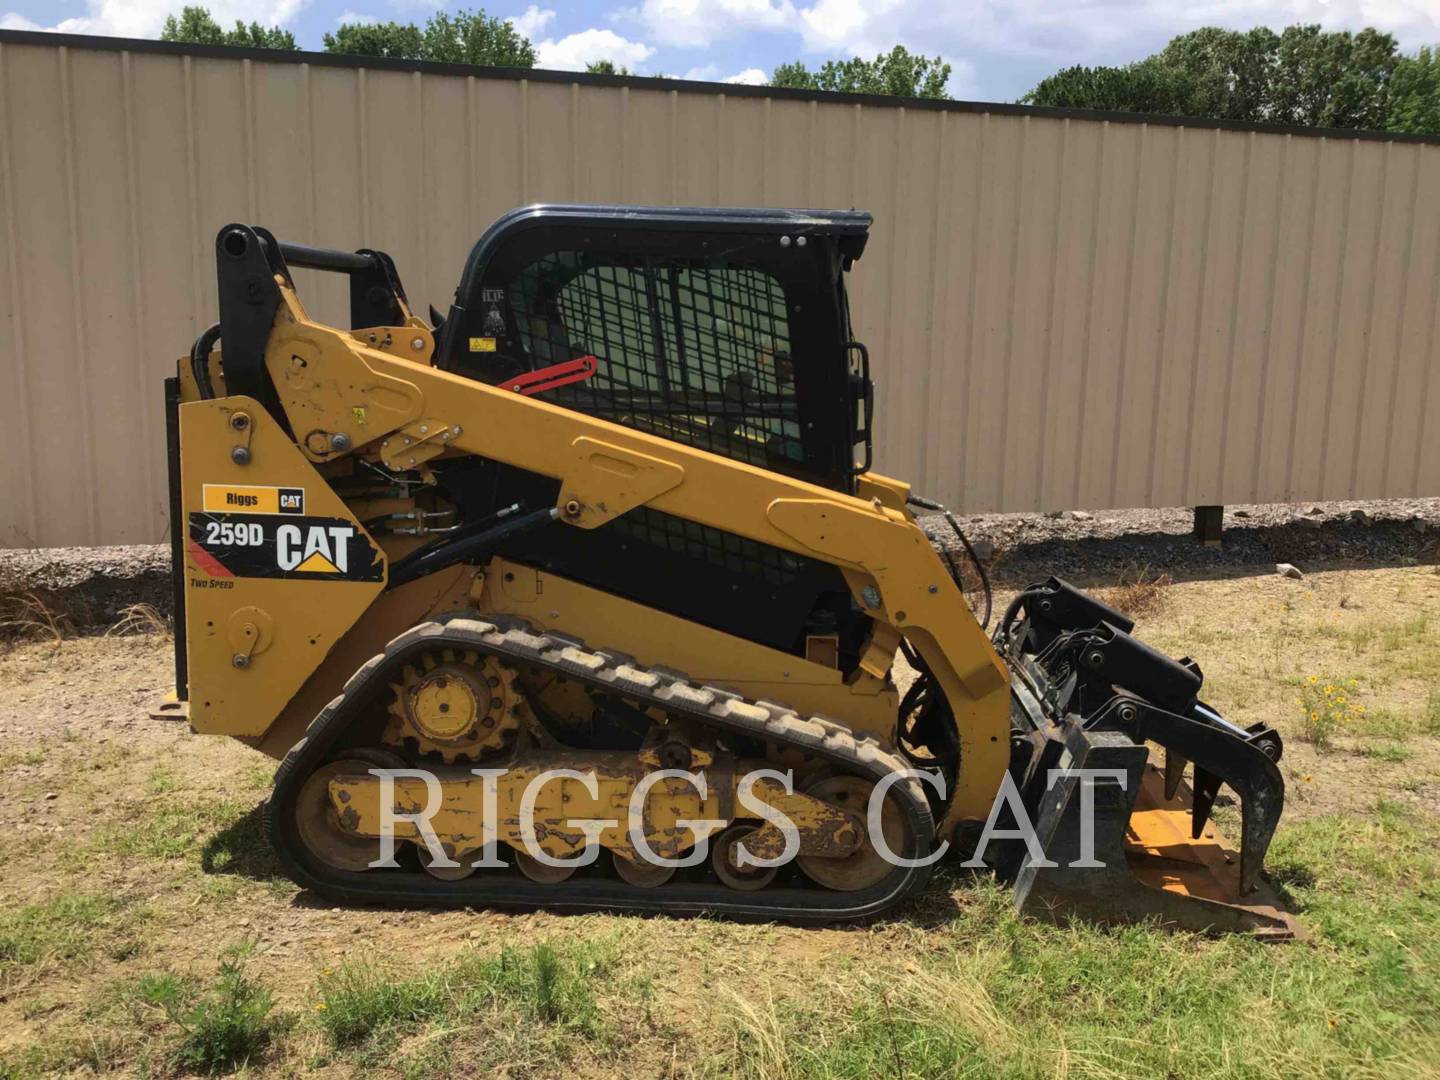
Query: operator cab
x,y
727,330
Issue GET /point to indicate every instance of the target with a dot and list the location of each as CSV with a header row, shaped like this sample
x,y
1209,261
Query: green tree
x,y
395,40
1338,80
1227,73
1415,94
898,73
606,67
196,24
1304,75
463,38
1146,87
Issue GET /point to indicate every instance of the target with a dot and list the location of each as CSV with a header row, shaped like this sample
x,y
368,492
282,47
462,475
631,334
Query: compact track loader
x,y
585,596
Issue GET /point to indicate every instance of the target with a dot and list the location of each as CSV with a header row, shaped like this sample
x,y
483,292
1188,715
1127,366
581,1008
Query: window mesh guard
x,y
694,353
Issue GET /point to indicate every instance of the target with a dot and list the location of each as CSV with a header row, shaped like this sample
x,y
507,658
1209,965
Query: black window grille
x,y
689,351
736,554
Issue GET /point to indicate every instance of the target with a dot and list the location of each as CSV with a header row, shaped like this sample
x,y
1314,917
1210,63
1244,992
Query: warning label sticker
x,y
231,498
265,546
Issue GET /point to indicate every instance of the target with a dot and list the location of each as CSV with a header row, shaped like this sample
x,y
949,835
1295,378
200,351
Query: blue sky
x,y
998,49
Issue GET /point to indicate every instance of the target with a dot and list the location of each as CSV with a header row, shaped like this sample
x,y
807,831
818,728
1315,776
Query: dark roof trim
x,y
279,56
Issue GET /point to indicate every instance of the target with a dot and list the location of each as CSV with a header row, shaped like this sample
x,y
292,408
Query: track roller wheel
x,y
644,875
538,872
723,856
864,866
444,873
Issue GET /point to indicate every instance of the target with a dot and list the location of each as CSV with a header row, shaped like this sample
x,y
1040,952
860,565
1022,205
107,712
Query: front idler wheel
x,y
319,825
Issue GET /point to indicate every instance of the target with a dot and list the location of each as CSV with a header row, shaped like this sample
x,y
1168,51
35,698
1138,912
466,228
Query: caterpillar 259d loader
x,y
495,585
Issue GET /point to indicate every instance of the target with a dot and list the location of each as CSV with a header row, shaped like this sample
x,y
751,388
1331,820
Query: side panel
x,y
276,568
707,656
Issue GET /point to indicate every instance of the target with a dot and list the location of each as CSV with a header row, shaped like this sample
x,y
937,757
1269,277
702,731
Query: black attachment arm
x,y
248,260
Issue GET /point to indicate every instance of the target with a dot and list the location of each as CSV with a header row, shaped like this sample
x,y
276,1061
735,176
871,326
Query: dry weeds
x,y
1140,592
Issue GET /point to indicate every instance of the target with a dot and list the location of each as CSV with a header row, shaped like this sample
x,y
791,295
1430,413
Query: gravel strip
x,y
89,587
1091,547
96,584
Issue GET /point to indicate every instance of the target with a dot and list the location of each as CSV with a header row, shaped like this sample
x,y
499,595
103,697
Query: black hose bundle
x,y
931,504
200,361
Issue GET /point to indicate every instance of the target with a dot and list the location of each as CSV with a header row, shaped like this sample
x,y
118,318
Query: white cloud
x,y
691,23
573,52
144,18
354,18
1090,31
712,73
1000,48
532,22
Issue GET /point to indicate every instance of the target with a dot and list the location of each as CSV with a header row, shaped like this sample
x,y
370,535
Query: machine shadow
x,y
242,848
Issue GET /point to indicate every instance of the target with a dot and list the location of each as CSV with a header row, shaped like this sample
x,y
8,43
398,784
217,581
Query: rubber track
x,y
616,673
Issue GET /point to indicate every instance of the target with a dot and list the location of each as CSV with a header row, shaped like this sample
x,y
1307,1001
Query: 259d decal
x,y
268,546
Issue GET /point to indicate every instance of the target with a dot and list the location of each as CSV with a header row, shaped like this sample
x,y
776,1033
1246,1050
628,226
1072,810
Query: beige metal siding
x,y
1062,311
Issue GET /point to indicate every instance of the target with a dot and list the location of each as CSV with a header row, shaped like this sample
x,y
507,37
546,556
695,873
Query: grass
x,y
171,828
43,935
999,996
957,985
1391,752
227,1027
359,1002
20,757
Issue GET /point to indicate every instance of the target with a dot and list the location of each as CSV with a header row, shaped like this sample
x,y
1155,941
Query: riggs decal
x,y
265,546
252,499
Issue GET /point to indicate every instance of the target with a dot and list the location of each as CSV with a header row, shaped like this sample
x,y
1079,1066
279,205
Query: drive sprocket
x,y
455,704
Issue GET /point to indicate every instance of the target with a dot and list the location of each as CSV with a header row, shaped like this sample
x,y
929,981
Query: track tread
x,y
615,673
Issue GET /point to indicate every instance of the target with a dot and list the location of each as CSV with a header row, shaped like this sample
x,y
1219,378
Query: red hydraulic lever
x,y
548,378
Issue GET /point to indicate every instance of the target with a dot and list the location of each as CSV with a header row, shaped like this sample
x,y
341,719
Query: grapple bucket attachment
x,y
1122,837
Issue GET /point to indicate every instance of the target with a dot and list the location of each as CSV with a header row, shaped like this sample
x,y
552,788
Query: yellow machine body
x,y
343,616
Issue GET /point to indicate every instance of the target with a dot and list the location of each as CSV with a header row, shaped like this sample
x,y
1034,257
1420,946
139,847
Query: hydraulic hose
x,y
931,504
200,361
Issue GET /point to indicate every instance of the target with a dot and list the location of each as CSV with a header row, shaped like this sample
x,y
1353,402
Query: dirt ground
x,y
132,847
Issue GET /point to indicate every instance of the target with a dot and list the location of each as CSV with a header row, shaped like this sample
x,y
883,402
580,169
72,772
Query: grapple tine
x,y
1207,786
1174,772
1222,756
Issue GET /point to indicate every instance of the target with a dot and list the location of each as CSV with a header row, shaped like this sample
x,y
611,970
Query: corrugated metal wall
x,y
1063,312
